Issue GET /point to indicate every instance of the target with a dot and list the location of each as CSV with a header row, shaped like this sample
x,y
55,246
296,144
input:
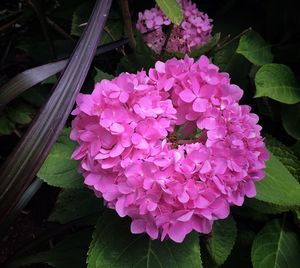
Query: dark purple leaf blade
x,y
23,163
27,79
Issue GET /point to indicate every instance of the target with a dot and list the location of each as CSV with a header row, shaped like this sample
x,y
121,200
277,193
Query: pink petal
x,y
250,189
117,128
200,105
186,217
160,67
187,95
138,226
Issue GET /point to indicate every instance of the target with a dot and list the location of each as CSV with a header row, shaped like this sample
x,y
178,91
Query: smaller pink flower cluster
x,y
195,29
132,134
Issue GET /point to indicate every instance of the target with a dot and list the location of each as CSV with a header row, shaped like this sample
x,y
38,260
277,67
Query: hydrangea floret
x,y
171,148
194,30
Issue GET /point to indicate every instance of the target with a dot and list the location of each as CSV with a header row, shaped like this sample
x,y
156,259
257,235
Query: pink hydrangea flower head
x,y
171,149
194,30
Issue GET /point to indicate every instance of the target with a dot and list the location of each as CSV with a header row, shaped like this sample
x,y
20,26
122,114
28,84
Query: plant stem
x,y
127,23
233,39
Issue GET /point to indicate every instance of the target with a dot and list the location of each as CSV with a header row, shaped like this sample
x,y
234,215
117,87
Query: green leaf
x,y
290,115
20,113
285,155
279,187
114,246
73,204
201,50
59,169
275,246
255,49
172,9
222,240
6,126
264,207
277,82
70,252
102,75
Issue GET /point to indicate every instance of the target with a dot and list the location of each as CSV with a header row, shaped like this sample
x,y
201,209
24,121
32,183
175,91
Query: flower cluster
x,y
194,30
136,150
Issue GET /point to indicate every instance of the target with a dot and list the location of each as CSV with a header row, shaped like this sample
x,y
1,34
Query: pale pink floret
x,y
194,30
128,159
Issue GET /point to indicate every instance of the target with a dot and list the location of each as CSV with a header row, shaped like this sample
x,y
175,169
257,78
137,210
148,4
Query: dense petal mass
x,y
194,30
172,149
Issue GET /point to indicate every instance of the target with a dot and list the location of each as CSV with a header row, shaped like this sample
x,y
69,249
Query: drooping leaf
x,y
201,50
255,49
114,246
222,240
279,187
275,246
73,204
70,252
102,75
27,79
277,82
172,9
26,159
290,115
59,169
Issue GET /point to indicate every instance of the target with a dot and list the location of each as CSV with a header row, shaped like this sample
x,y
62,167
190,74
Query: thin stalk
x,y
127,23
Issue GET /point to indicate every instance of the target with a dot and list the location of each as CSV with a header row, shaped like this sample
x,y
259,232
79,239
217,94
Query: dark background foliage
x,y
37,32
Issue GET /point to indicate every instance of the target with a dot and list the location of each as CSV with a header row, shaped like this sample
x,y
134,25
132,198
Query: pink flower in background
x,y
194,30
172,149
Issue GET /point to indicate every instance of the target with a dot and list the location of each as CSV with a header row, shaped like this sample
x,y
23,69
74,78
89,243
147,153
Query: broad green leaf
x,y
275,246
59,169
277,82
102,75
290,115
73,204
201,50
255,49
279,187
264,207
222,240
68,253
172,9
114,246
285,155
